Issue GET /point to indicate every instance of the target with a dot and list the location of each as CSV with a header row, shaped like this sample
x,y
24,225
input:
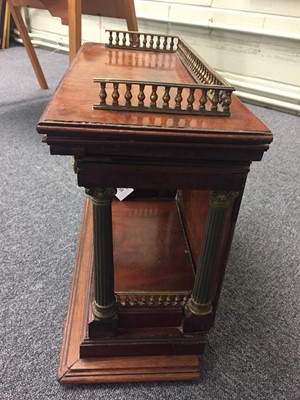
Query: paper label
x,y
122,193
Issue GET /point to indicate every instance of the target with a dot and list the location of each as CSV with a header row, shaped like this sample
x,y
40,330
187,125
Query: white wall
x,y
254,44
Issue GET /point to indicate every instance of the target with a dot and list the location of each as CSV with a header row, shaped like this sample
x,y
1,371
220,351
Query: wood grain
x,y
17,17
150,250
156,241
194,208
76,369
77,93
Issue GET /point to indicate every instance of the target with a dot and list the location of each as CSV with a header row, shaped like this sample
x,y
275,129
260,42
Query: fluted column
x,y
200,302
104,304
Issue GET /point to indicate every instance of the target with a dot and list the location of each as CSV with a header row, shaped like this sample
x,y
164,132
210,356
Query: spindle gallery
x,y
209,94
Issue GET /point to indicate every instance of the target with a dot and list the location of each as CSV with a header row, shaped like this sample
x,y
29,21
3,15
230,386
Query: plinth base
x,y
130,369
74,367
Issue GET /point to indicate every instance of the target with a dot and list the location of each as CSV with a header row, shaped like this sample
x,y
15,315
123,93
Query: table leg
x,y
74,22
130,15
17,17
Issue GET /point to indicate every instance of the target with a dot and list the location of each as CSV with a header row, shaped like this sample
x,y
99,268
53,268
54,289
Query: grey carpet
x,y
253,351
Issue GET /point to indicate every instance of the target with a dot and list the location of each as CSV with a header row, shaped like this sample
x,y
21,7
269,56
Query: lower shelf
x,y
150,248
83,360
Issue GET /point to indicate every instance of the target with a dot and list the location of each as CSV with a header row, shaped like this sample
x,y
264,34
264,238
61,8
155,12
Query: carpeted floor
x,y
253,351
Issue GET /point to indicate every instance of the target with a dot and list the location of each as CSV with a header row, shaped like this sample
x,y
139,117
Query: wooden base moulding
x,y
135,353
157,283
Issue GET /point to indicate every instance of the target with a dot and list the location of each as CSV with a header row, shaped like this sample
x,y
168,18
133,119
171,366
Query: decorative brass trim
x,y
101,196
104,312
200,70
155,298
145,41
210,95
126,95
198,309
74,162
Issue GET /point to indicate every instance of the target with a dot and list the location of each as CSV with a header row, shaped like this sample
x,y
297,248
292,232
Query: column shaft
x,y
201,298
104,304
103,257
206,267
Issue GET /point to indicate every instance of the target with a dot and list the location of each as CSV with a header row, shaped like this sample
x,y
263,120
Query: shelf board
x,y
151,253
75,369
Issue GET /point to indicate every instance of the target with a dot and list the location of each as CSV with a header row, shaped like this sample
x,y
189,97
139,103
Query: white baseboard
x,y
275,95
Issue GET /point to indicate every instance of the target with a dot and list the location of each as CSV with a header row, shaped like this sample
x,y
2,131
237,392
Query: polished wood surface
x,y
153,151
168,243
164,151
194,209
150,248
77,93
76,368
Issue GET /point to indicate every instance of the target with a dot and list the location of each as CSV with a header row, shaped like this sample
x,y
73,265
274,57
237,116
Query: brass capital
x,y
221,199
101,196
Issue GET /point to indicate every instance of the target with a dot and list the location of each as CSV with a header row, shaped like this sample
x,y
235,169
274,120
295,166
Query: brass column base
x,y
107,312
198,309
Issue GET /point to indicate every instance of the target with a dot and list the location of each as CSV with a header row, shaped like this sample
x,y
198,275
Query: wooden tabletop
x,y
70,113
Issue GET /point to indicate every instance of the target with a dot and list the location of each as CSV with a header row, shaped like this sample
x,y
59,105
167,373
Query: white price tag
x,y
122,193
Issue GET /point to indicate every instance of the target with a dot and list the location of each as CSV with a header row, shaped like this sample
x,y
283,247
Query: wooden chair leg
x,y
16,14
131,20
74,21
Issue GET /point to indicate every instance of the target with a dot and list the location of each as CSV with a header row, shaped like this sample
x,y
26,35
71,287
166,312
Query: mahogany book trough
x,y
145,112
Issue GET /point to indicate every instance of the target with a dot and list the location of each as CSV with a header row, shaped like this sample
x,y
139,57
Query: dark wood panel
x,y
146,317
164,176
150,346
